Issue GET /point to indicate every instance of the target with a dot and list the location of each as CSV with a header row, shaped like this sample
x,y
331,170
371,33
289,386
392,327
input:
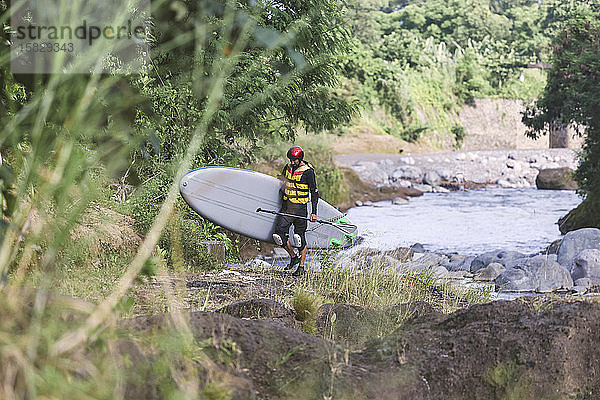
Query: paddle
x,y
339,225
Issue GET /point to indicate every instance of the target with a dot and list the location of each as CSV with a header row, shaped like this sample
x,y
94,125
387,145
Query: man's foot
x,y
292,264
299,271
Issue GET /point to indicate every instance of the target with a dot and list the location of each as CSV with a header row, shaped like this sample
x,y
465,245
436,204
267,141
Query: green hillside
x,y
421,61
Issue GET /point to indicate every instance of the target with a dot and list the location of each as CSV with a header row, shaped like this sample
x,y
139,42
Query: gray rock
x,y
575,242
445,174
439,272
432,178
399,201
548,275
583,282
489,273
427,261
423,188
514,280
440,189
457,274
401,254
500,256
587,265
387,165
417,248
556,179
358,203
456,257
538,273
504,183
460,265
370,171
403,183
406,171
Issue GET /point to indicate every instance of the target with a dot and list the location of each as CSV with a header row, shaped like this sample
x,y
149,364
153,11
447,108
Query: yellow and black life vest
x,y
294,191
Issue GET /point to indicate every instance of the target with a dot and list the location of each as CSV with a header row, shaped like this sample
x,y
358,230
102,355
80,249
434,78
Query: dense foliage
x,y
223,79
435,55
281,74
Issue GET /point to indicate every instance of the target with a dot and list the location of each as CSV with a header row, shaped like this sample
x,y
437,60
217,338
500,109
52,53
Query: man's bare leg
x,y
289,249
302,257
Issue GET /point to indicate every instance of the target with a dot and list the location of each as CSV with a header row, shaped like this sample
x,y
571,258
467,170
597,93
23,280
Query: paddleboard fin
x,y
335,243
350,236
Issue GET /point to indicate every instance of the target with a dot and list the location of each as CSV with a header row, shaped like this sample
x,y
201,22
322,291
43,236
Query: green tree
x,y
572,96
282,63
282,78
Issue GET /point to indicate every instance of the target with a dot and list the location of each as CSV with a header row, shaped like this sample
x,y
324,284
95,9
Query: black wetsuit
x,y
300,209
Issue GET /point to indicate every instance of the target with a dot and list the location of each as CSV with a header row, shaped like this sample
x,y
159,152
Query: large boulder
x,y
460,265
587,265
514,280
432,178
585,215
499,256
556,179
575,242
539,273
408,172
371,172
428,261
489,273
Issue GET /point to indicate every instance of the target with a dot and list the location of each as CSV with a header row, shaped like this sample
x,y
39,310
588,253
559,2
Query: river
x,y
468,222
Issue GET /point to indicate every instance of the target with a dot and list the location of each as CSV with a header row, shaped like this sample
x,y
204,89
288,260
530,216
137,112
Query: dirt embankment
x,y
519,350
488,124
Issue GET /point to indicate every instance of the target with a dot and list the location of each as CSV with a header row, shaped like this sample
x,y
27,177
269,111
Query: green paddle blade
x,y
335,243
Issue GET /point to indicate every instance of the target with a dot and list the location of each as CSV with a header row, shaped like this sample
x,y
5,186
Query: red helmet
x,y
295,152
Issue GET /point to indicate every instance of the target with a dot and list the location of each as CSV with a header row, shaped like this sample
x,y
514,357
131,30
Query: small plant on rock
x,y
305,306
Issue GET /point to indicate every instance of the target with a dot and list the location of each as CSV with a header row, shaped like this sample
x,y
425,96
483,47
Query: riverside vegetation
x,y
90,165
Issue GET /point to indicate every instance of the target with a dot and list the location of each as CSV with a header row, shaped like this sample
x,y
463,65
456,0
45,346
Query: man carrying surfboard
x,y
299,182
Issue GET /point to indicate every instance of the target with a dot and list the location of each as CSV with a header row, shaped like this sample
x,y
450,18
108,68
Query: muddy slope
x,y
499,350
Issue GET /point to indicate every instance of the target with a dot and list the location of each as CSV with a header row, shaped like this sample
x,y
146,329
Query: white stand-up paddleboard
x,y
230,197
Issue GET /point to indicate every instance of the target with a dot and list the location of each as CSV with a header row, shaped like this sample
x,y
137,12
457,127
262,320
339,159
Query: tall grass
x,y
378,287
58,141
382,291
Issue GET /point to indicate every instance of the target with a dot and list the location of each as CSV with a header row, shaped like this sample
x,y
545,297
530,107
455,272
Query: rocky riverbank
x,y
571,265
527,349
543,347
426,172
